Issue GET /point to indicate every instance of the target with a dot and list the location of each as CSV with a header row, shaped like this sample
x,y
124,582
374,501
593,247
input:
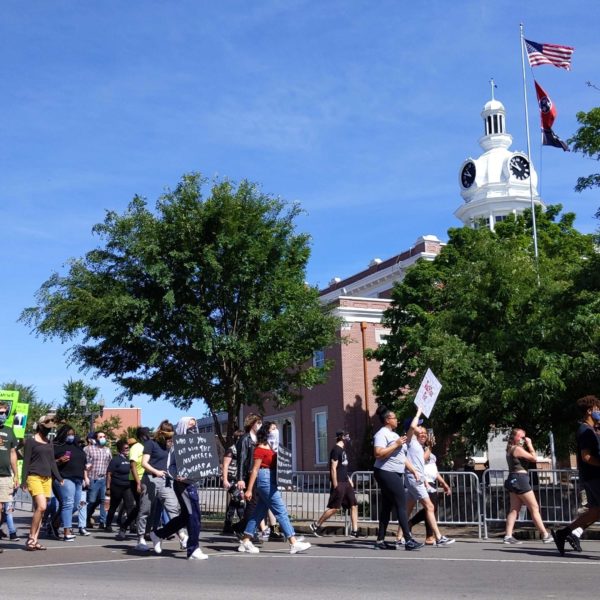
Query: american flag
x,y
549,54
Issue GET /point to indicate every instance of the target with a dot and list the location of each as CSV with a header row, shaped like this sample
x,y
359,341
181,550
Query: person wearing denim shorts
x,y
8,459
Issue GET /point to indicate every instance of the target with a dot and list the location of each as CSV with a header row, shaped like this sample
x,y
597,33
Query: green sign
x,y
17,412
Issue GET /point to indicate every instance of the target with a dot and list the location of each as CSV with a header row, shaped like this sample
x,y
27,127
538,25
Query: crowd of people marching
x,y
149,500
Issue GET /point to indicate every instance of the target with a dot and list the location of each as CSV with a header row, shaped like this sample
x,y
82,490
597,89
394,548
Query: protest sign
x,y
428,393
196,456
284,467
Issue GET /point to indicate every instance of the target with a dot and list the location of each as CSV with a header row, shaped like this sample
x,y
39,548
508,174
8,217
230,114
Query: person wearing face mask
x,y
156,483
245,452
189,503
39,466
519,450
588,464
342,491
98,458
117,482
263,484
9,478
71,461
236,501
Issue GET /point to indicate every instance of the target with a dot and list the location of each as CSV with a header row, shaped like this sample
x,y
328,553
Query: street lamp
x,y
90,413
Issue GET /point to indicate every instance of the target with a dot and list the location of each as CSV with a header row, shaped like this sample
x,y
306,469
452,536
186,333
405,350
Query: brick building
x,y
346,400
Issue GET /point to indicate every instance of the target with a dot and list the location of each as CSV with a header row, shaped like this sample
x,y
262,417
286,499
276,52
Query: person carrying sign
x,y
416,488
189,503
9,478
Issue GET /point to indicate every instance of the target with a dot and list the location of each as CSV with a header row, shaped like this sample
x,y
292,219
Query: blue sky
x,y
361,111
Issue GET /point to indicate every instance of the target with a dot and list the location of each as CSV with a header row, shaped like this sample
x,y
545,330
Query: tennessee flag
x,y
548,115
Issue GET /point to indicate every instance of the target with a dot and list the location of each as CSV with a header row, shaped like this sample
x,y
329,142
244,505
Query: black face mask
x,y
193,430
43,431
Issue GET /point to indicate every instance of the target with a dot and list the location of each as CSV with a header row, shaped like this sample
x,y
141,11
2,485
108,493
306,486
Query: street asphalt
x,y
100,566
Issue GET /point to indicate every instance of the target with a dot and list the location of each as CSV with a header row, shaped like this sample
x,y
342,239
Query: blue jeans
x,y
95,497
70,493
269,498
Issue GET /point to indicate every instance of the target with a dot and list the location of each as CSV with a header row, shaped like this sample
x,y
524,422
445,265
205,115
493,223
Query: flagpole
x,y
533,222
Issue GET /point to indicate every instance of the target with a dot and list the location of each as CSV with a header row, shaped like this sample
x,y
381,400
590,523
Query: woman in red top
x,y
264,473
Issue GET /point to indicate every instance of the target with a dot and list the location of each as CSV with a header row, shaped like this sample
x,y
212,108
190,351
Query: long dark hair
x,y
262,434
61,434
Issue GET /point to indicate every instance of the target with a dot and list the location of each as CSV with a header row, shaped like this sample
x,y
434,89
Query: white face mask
x,y
273,439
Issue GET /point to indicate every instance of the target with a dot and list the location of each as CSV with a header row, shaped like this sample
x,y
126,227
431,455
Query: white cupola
x,y
499,182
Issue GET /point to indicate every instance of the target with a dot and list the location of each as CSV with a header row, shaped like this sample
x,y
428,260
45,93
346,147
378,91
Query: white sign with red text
x,y
428,393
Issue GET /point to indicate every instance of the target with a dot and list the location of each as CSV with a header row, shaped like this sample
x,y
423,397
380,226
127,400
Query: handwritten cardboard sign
x,y
428,393
196,456
284,468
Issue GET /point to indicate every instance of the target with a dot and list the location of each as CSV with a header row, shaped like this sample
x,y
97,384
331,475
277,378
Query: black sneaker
x,y
560,537
316,530
2,535
275,536
15,538
412,544
571,538
107,529
84,532
355,534
380,545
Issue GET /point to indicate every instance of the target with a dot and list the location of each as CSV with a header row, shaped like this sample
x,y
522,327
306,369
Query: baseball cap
x,y
47,421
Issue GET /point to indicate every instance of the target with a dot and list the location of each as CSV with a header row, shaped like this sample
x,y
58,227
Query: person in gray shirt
x,y
416,489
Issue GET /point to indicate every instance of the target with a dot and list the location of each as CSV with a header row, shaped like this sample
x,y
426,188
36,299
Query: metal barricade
x,y
306,498
23,500
557,492
461,507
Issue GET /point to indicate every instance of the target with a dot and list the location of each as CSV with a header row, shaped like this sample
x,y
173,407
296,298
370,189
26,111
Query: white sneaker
x,y
547,539
299,547
142,547
183,542
157,542
197,554
248,547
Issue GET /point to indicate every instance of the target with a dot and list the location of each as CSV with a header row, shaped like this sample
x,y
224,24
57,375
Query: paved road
x,y
99,566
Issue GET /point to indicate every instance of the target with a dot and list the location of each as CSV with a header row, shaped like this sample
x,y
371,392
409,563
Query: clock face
x,y
467,175
519,167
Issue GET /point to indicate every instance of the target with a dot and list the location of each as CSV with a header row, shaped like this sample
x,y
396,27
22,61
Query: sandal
x,y
30,545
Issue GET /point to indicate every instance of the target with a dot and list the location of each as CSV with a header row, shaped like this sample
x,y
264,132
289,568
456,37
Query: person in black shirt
x,y
588,463
71,461
342,491
117,483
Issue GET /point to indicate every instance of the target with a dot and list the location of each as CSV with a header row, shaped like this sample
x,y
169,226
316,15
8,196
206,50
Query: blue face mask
x,y
102,442
596,415
3,418
70,439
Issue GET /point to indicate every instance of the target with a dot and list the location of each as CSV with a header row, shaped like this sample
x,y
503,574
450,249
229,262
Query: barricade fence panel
x,y
558,493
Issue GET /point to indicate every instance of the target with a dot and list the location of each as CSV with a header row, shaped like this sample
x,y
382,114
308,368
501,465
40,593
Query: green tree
x,y
79,416
28,394
504,337
201,299
587,141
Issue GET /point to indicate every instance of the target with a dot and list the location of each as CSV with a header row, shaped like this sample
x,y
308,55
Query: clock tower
x,y
500,182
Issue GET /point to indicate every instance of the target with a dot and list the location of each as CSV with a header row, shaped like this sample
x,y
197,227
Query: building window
x,y
381,336
318,358
500,218
286,435
321,438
